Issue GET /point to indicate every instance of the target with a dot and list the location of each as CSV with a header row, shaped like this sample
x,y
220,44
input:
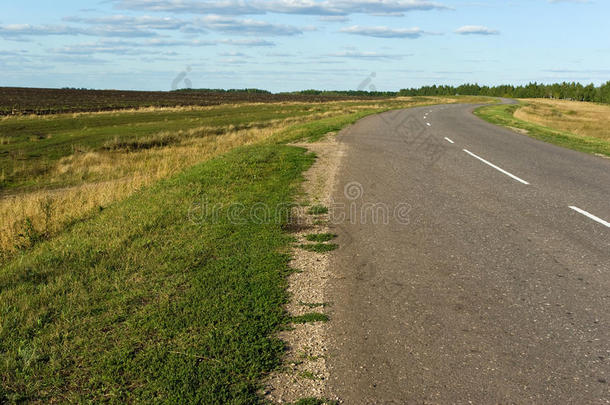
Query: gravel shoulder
x,y
304,373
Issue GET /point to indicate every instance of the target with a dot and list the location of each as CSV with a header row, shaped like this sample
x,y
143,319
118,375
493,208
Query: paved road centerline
x,y
496,167
590,216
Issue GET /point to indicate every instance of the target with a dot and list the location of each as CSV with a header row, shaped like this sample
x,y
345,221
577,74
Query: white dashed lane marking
x,y
512,176
590,216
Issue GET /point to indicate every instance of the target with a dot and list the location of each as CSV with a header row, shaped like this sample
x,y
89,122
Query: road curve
x,y
474,265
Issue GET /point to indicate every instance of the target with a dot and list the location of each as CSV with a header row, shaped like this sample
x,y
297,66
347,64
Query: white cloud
x,y
141,22
233,54
146,26
334,18
230,25
122,47
384,32
300,7
476,30
150,46
365,55
19,31
246,42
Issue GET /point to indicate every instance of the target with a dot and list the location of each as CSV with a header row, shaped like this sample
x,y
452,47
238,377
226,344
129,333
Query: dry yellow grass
x,y
585,119
46,212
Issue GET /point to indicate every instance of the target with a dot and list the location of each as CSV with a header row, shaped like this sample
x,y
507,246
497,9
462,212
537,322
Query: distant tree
x,y
604,93
565,90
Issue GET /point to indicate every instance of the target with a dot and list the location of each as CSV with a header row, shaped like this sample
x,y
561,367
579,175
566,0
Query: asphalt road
x,y
474,281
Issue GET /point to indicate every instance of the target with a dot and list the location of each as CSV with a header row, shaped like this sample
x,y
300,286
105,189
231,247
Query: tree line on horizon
x,y
567,91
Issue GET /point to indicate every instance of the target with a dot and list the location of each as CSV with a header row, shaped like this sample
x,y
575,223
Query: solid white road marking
x,y
496,167
449,140
591,216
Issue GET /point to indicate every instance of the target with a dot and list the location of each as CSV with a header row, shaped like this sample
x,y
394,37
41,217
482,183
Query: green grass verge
x,y
503,115
315,130
143,303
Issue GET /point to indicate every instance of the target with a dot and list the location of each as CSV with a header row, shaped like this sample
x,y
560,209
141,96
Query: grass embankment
x,y
575,125
154,299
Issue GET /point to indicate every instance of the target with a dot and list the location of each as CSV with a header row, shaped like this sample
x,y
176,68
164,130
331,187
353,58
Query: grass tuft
x,y
319,247
310,317
309,375
320,237
318,210
314,305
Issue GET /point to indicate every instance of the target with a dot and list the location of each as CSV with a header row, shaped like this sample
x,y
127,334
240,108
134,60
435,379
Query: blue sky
x,y
283,45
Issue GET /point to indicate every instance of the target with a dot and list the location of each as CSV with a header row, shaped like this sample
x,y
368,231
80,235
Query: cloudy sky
x,y
285,45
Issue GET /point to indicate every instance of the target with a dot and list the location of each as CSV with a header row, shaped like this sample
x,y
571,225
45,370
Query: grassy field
x,y
571,124
59,169
116,284
34,144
